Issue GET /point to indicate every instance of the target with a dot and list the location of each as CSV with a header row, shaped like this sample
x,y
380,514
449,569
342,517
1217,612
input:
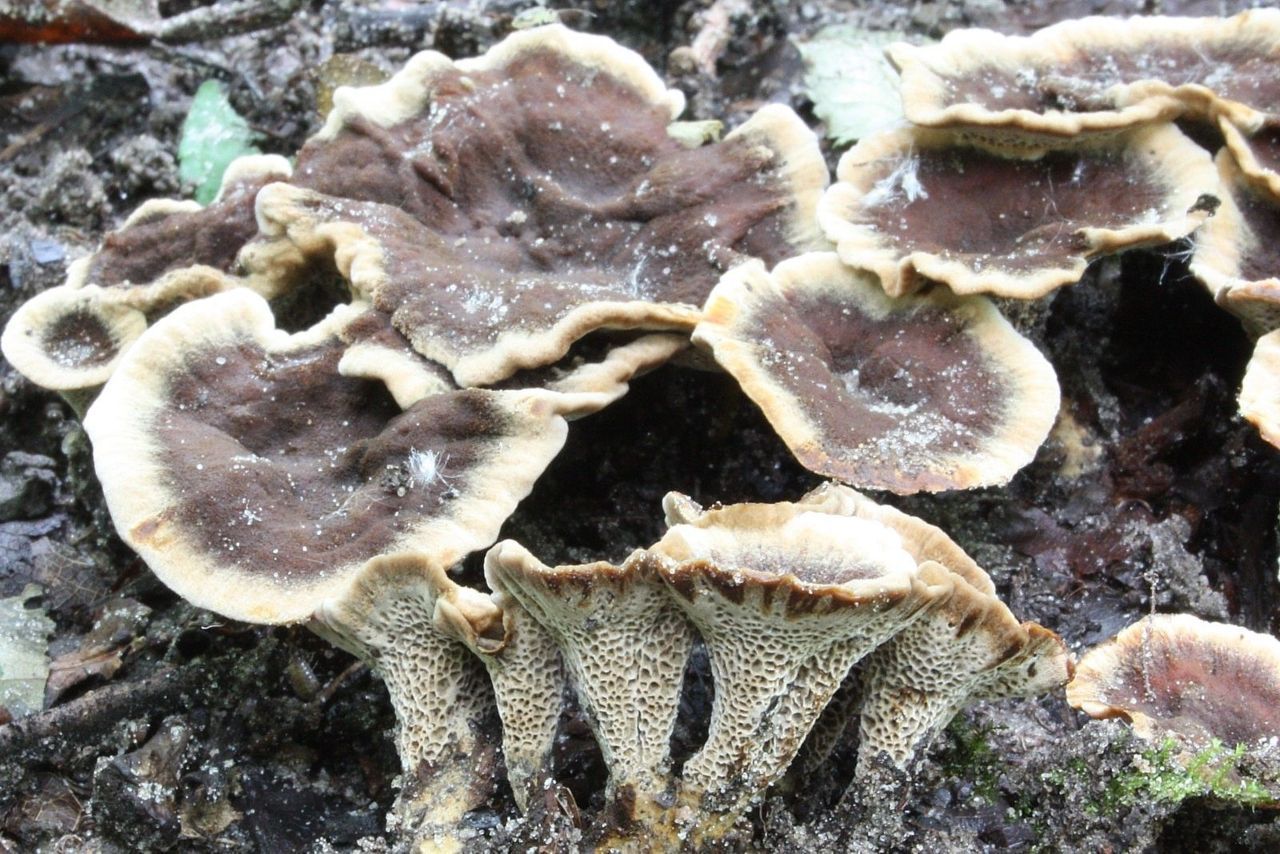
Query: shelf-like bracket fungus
x,y
925,392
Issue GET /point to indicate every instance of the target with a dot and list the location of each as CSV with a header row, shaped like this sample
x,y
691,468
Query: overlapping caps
x,y
786,598
1029,156
535,218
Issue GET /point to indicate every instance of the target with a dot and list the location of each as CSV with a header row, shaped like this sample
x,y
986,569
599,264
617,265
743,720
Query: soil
x,y
170,729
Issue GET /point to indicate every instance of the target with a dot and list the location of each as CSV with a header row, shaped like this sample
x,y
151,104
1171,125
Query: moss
x,y
971,757
1158,774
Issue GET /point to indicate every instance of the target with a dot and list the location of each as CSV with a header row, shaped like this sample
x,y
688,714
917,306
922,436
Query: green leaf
x,y
213,135
24,642
853,87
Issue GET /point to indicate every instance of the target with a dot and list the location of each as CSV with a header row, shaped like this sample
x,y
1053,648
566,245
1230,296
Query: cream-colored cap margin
x,y
1185,170
24,341
1225,241
1260,388
1238,144
139,493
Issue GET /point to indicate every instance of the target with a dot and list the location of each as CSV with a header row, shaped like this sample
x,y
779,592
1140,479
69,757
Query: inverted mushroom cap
x,y
1177,675
786,599
916,204
927,392
1092,75
256,480
445,735
527,675
503,207
968,646
625,647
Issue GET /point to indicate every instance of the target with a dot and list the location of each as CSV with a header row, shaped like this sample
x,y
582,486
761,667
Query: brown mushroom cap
x,y
787,600
917,204
625,647
1177,675
508,205
68,338
926,392
256,480
1092,75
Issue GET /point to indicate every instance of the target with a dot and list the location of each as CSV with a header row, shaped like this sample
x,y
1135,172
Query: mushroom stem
x,y
625,647
442,700
527,677
786,601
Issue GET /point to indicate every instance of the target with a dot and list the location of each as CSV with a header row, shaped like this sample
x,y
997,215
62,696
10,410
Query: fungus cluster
x,y
786,598
514,237
1030,155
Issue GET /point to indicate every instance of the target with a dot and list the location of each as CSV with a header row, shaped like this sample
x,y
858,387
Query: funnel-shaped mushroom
x,y
528,682
1092,75
70,338
625,646
1237,253
229,450
1175,675
391,617
967,647
917,204
259,481
786,600
926,392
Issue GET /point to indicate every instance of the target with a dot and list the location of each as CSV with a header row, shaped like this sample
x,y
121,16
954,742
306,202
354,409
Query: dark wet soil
x,y
171,729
